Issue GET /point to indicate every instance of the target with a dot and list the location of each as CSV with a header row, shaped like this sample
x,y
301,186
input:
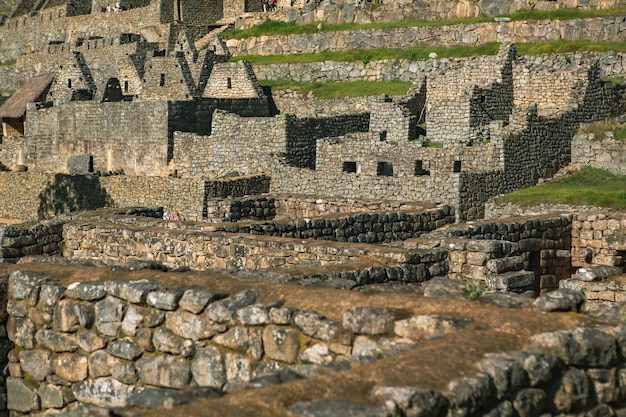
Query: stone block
x,y
20,396
124,349
56,342
90,341
165,299
369,320
80,164
70,367
87,291
166,341
99,364
196,300
207,368
281,344
223,311
238,367
189,326
103,392
516,281
163,371
132,291
35,363
500,265
315,325
418,327
109,314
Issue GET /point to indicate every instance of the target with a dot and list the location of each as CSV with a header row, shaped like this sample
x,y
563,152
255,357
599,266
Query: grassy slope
x,y
590,186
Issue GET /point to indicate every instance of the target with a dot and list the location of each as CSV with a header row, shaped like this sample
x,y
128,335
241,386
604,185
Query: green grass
x,y
564,46
378,54
342,88
599,128
6,64
422,52
271,27
590,186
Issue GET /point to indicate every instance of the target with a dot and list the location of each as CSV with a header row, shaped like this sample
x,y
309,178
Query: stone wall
x,y
208,250
121,344
246,144
604,152
112,343
348,11
20,240
598,239
516,254
31,196
128,136
611,64
471,34
267,207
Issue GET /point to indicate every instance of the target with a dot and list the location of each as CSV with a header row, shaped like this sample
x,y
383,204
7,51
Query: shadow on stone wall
x,y
68,193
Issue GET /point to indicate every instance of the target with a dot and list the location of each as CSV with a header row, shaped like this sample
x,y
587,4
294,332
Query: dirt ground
x,y
431,365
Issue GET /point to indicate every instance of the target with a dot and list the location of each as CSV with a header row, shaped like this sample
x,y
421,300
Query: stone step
x,y
516,281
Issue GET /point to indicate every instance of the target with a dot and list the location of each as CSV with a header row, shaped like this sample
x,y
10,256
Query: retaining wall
x,y
605,29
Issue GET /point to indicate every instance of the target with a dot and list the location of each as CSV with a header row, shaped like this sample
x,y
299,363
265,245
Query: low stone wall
x,y
31,195
17,241
266,207
611,63
516,254
605,292
604,153
496,210
354,228
607,29
123,344
598,239
123,245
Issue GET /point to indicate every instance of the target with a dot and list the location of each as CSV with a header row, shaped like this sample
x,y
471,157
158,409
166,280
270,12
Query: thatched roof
x,y
15,106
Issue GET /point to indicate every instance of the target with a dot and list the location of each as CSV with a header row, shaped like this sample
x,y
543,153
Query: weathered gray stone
x,y
443,287
104,392
56,342
49,295
282,315
20,396
21,331
166,341
124,349
153,317
281,344
132,319
24,285
143,338
333,408
223,311
597,272
35,363
562,299
418,327
529,402
109,315
99,364
238,367
163,371
516,281
18,308
196,300
582,346
133,291
572,394
123,371
500,265
164,299
69,315
318,354
253,315
189,326
207,368
369,320
158,398
507,374
89,340
315,325
242,338
52,396
412,402
472,392
70,367
539,367
87,291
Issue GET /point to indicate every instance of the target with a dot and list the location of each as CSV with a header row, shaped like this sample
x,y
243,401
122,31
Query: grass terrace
x,y
422,52
342,88
271,27
589,186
